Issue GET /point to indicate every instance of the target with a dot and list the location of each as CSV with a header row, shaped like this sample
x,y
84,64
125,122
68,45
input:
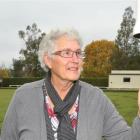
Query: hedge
x,y
96,81
18,81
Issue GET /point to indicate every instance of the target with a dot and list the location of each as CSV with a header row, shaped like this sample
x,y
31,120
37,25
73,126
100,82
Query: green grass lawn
x,y
125,102
5,97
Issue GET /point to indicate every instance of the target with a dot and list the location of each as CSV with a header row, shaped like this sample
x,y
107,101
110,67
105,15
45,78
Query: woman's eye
x,y
67,52
78,53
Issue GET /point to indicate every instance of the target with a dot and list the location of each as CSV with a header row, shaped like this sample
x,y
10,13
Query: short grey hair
x,y
47,44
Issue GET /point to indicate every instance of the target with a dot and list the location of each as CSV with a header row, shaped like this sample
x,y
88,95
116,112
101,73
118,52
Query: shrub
x,y
96,81
18,81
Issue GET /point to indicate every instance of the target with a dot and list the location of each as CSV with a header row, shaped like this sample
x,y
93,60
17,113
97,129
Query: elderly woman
x,y
60,107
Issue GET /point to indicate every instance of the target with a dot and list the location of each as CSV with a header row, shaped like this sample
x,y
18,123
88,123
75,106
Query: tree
x,y
28,62
4,72
97,61
127,45
18,66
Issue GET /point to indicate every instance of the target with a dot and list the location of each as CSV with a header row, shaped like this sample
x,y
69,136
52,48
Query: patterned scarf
x,y
61,109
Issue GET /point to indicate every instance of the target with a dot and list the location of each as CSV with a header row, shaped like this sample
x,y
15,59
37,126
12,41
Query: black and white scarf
x,y
61,109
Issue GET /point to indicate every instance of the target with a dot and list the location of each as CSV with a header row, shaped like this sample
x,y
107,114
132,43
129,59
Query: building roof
x,y
125,72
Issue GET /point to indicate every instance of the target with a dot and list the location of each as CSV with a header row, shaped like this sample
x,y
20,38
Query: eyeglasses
x,y
69,53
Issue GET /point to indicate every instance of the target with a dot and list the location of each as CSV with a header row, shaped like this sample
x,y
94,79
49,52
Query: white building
x,y
124,79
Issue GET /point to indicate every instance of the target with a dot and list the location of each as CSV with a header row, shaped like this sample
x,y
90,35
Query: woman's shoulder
x,y
31,85
90,91
29,88
90,88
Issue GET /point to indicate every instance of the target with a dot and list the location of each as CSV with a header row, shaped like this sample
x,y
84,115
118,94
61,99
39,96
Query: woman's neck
x,y
61,86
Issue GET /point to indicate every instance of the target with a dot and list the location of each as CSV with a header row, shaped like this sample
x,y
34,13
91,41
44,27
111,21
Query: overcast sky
x,y
94,19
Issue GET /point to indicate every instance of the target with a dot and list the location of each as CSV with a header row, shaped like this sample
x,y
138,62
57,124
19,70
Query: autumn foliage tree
x,y
4,72
97,61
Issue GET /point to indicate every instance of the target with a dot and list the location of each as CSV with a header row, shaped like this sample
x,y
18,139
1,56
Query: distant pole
x,y
136,31
1,80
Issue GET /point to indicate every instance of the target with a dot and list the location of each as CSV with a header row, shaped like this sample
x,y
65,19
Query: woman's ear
x,y
48,60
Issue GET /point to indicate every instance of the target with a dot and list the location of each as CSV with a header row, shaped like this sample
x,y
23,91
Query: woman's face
x,y
62,68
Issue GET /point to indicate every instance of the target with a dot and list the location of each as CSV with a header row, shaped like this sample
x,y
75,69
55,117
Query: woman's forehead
x,y
66,42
